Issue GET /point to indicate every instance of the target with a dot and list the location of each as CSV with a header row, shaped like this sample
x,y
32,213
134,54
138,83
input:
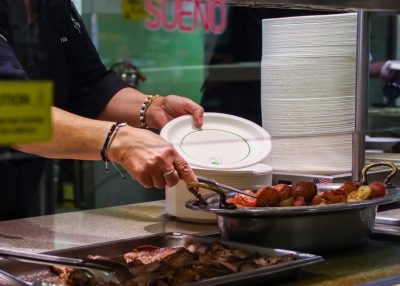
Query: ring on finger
x,y
169,173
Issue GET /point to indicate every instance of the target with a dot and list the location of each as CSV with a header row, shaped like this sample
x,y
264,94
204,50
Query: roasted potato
x,y
304,189
299,201
362,193
284,191
319,199
267,195
378,189
349,187
306,193
287,203
335,196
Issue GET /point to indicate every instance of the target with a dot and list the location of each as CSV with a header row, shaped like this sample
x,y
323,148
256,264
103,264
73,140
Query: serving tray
x,y
33,272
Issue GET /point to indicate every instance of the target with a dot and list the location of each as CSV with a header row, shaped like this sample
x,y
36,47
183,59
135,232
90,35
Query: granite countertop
x,y
59,231
373,260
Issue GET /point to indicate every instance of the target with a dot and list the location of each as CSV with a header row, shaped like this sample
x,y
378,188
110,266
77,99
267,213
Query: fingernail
x,y
200,121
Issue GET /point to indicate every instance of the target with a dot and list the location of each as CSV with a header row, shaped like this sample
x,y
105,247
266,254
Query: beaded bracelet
x,y
147,102
107,142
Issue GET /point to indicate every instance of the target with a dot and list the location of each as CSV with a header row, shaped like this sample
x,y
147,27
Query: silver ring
x,y
166,174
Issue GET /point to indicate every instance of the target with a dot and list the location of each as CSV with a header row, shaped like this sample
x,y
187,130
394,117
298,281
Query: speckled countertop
x,y
45,233
373,260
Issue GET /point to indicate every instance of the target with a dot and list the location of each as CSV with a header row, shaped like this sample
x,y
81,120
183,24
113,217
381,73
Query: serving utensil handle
x,y
194,187
51,260
13,280
364,171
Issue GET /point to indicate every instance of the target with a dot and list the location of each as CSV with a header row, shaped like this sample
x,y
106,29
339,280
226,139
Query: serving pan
x,y
31,272
315,229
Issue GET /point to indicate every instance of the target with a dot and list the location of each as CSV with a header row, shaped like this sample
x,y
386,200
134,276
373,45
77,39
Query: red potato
x,y
335,196
284,191
304,189
299,201
349,187
377,189
339,192
319,199
267,195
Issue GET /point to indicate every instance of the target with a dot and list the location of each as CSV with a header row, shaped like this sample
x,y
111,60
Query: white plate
x,y
224,142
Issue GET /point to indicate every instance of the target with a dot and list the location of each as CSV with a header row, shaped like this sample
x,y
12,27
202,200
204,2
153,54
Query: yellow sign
x,y
25,111
133,9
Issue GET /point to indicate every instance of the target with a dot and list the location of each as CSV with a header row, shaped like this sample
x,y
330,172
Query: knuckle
x,y
170,150
184,167
173,182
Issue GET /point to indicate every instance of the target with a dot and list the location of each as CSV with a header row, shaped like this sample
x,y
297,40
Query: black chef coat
x,y
54,46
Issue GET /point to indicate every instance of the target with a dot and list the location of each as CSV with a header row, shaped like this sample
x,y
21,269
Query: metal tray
x,y
33,272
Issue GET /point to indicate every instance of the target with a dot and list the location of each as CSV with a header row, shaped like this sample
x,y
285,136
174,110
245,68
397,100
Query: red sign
x,y
186,15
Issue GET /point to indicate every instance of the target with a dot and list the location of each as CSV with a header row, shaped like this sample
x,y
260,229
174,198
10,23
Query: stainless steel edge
x,y
387,220
47,259
361,101
241,277
260,273
334,5
392,196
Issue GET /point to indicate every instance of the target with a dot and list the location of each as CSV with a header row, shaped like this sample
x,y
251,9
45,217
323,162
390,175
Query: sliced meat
x,y
149,256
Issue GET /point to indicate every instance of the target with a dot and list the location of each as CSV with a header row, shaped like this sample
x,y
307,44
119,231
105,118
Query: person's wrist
x,y
384,72
144,110
116,150
109,140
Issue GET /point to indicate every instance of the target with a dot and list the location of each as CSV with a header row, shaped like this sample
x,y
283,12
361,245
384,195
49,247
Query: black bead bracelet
x,y
107,142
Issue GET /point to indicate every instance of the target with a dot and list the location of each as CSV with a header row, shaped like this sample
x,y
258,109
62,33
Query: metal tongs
x,y
217,187
15,281
105,270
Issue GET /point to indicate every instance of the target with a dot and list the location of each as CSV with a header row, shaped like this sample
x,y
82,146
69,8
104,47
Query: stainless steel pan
x,y
317,229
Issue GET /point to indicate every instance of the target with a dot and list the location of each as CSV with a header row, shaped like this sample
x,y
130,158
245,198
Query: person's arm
x,y
144,154
98,93
375,69
385,70
126,105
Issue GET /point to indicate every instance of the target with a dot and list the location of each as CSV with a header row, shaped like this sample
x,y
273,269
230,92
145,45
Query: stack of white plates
x,y
322,155
297,117
308,78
